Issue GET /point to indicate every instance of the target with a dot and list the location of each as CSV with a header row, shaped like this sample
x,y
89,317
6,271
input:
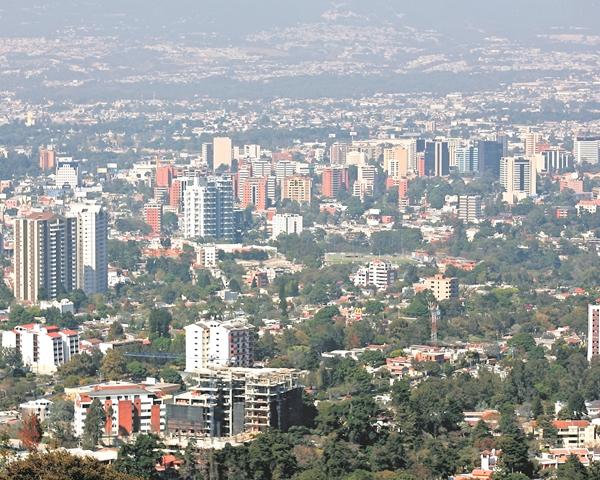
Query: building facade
x,y
47,159
287,223
593,349
222,152
208,208
68,173
518,177
469,208
442,287
297,188
334,180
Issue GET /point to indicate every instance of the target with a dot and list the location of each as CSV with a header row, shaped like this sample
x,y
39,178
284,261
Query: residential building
x,y
396,161
153,216
92,247
469,208
285,168
297,188
363,188
45,256
379,273
252,151
334,180
254,192
518,177
437,159
532,143
135,409
230,401
442,287
40,408
337,153
47,159
68,173
164,175
208,208
219,343
593,344
208,155
206,256
585,149
42,347
286,223
222,152
403,193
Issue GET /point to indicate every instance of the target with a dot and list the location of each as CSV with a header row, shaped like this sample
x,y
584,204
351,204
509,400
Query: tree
x,y
160,319
140,458
58,465
572,469
81,365
577,405
30,433
60,423
191,468
170,375
93,425
114,365
372,358
137,369
115,332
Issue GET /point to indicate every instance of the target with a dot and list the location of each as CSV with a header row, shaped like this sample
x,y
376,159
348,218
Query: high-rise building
x,y
45,256
284,168
402,191
586,149
208,208
337,153
532,141
286,223
442,287
208,155
467,159
261,168
593,340
153,216
222,152
244,173
254,192
297,188
164,175
334,180
437,159
176,191
252,151
47,159
215,343
379,273
68,173
469,208
557,159
502,138
402,157
518,177
92,247
488,157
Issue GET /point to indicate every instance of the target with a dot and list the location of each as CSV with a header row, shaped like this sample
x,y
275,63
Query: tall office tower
x,y
252,151
557,159
68,173
334,180
284,168
502,138
467,159
261,168
222,152
254,192
297,188
208,155
396,161
518,177
469,208
153,216
437,159
176,191
337,153
47,159
212,342
286,223
402,193
532,141
489,154
208,208
593,349
271,188
586,149
92,247
45,256
164,175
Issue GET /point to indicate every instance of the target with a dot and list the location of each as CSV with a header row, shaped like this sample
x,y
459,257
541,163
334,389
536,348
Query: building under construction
x,y
230,401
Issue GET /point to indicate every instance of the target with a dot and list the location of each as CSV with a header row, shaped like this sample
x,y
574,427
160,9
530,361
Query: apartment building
x,y
286,223
297,188
379,273
153,216
208,208
442,287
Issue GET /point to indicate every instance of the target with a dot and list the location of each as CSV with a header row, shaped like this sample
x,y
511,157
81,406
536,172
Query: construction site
x,y
228,402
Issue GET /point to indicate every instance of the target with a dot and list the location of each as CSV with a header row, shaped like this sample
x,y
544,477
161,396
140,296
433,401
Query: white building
x,y
222,152
64,306
212,342
378,273
286,223
252,151
92,247
68,173
206,256
593,349
586,149
518,177
43,348
208,208
40,408
469,208
135,409
285,168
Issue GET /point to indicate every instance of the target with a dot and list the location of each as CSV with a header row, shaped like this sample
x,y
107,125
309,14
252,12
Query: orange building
x,y
175,193
164,175
334,180
254,192
47,159
153,213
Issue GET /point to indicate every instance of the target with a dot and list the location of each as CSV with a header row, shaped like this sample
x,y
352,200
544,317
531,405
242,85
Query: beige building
x,y
442,287
222,152
297,188
396,161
